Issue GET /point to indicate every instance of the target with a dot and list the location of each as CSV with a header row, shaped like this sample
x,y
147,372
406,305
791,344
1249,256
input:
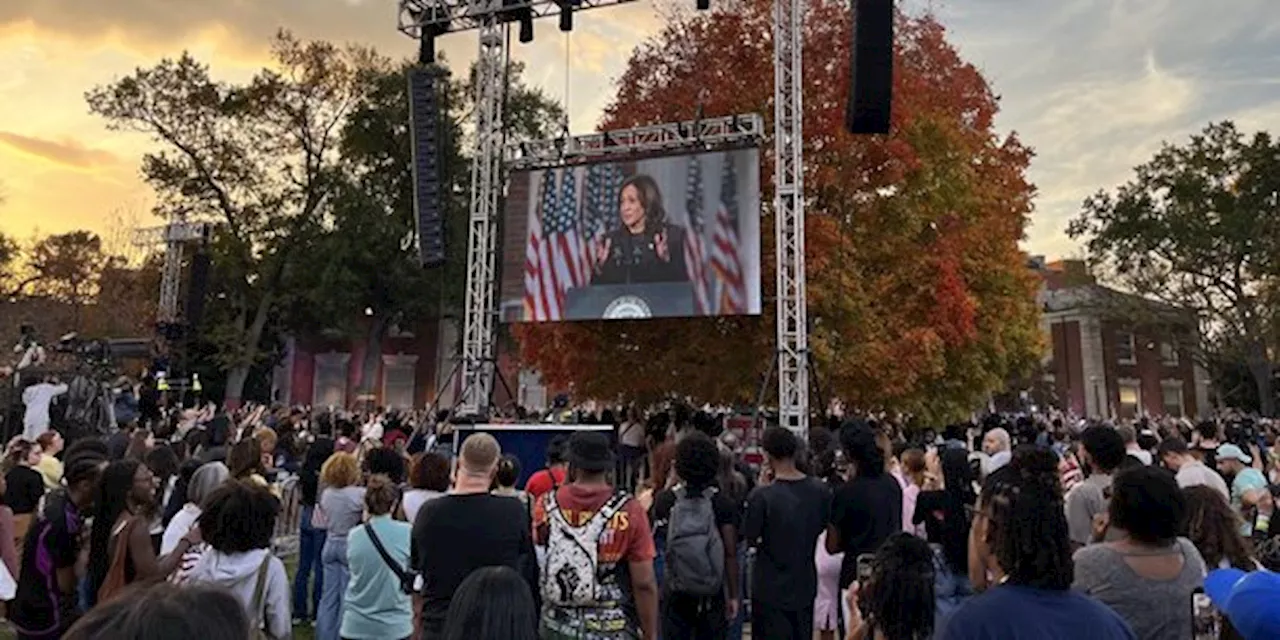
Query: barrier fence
x,y
284,542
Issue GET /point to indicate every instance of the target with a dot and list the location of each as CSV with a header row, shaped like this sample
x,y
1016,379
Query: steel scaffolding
x,y
174,236
429,18
788,131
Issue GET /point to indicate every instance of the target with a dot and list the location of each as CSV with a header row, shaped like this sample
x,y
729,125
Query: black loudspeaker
x,y
424,129
197,288
871,67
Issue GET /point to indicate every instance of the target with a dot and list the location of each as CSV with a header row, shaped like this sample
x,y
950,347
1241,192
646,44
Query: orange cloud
x,y
66,152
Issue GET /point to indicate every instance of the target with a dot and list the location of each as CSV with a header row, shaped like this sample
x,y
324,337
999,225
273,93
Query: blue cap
x,y
1248,600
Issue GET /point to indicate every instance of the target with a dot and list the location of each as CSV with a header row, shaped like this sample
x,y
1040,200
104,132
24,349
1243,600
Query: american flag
x,y
563,255
601,207
724,244
537,304
693,253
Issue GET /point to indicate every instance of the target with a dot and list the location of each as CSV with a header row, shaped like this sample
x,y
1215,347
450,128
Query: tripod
x,y
454,372
764,387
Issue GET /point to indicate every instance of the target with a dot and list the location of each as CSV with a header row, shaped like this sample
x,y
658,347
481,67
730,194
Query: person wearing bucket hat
x,y
583,590
1248,485
1248,600
591,452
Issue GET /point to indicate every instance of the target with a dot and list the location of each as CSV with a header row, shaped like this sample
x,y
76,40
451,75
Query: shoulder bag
x,y
259,600
409,578
116,580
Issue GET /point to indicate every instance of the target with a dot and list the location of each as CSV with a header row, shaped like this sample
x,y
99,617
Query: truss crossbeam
x,y
434,17
711,133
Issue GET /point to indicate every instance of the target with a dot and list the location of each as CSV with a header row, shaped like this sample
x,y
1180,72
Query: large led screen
x,y
671,236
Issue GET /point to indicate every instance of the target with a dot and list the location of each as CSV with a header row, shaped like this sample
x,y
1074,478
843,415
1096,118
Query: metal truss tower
x,y
480,314
429,18
174,236
788,131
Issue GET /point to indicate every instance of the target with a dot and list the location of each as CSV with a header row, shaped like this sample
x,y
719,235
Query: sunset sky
x,y
1093,85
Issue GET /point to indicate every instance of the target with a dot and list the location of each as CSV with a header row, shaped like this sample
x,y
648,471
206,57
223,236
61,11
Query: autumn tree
x,y
1198,228
919,295
259,158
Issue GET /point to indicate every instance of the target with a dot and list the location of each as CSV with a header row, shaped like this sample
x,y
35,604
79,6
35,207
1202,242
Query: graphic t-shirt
x,y
626,539
40,607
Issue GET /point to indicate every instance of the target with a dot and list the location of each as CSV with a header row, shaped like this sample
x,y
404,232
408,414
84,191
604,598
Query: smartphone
x,y
1206,624
866,563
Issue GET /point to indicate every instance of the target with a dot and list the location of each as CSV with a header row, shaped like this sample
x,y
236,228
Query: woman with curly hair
x,y
899,602
1214,527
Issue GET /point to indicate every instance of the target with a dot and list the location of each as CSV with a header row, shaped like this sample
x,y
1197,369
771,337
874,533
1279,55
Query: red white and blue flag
x,y
694,254
725,260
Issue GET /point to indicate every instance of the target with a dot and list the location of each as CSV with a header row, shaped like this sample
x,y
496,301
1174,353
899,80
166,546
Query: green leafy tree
x,y
260,158
1198,227
362,274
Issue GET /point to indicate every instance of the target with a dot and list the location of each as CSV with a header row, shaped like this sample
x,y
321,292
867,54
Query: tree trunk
x,y
236,377
238,374
1261,369
372,358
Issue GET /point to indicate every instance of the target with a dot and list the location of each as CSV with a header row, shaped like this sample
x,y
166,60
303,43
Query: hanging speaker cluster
x,y
424,118
871,68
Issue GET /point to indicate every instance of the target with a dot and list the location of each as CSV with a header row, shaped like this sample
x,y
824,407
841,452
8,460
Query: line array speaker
x,y
871,68
424,123
197,288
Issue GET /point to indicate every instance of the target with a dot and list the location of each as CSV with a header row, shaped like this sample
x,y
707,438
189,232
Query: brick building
x,y
1113,354
415,368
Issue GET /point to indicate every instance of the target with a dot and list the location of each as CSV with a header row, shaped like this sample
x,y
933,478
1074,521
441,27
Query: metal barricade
x,y
284,542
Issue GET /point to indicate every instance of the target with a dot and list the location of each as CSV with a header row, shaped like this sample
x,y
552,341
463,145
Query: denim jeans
x,y
950,589
336,573
310,544
735,625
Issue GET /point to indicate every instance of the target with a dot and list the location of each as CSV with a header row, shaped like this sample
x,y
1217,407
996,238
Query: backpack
x,y
571,577
695,552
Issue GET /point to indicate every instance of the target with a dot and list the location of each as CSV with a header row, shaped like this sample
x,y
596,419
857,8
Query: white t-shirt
x,y
1194,474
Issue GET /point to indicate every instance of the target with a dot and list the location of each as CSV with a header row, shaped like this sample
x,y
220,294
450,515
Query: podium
x,y
630,301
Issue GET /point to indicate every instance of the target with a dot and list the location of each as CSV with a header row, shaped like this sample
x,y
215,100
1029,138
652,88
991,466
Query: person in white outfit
x,y
237,523
37,397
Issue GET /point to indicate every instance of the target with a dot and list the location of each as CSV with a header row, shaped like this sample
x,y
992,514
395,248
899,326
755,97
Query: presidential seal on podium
x,y
627,308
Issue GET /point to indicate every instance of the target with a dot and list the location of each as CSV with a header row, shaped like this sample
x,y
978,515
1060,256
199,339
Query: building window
x,y
1130,399
330,381
1173,399
1126,348
1169,353
398,381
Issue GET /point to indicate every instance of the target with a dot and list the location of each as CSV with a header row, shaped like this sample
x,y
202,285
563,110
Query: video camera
x,y
104,350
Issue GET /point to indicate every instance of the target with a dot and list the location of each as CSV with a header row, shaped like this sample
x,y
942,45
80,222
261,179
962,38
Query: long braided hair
x,y
1028,523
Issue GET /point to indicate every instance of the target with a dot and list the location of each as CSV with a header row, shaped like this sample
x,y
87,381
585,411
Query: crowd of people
x,y
1023,527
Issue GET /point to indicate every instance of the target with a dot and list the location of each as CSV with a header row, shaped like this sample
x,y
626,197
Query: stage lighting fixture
x,y
566,18
703,5
526,29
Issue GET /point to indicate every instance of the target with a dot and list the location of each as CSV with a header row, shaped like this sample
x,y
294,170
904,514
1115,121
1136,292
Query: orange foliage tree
x,y
919,295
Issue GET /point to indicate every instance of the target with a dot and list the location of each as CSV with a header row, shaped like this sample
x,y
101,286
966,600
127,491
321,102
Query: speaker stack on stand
x,y
871,68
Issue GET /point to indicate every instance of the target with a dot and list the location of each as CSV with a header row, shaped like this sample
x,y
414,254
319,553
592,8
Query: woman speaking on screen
x,y
646,248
